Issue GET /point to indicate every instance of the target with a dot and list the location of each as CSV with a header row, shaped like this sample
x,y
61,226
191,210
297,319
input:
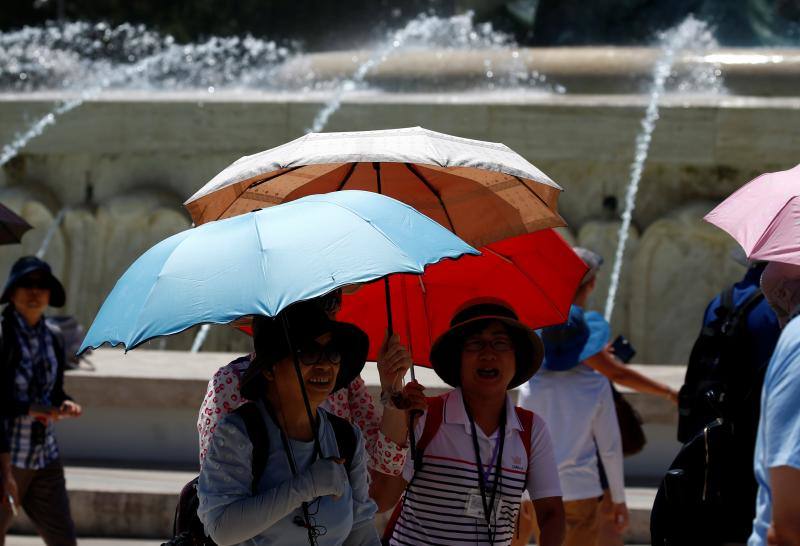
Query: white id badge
x,y
474,505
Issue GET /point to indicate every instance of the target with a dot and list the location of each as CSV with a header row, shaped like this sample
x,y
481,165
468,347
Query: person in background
x,y
384,426
306,491
777,455
577,404
31,398
606,363
604,360
477,452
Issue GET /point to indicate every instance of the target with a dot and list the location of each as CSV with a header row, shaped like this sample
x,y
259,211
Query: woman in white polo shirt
x,y
477,452
576,402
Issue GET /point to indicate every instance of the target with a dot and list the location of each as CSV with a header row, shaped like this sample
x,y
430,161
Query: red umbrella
x,y
536,273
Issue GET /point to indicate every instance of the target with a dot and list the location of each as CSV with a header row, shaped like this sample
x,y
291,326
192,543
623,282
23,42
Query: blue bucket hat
x,y
31,264
582,336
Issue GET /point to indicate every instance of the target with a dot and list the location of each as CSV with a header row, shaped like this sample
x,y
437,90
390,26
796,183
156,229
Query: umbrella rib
x,y
523,272
434,191
505,259
268,178
253,185
347,176
522,181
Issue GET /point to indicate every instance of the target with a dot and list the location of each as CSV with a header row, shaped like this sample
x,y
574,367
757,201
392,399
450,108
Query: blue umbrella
x,y
261,262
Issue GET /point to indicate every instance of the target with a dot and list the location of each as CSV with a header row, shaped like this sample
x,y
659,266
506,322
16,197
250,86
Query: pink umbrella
x,y
764,217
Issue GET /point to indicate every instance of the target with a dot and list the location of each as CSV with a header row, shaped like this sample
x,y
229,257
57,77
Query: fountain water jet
x,y
51,231
458,31
690,34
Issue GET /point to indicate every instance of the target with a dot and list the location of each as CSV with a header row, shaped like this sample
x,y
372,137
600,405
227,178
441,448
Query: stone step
x,y
140,504
140,408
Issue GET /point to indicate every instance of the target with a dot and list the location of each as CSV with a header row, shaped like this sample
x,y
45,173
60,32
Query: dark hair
x,y
269,348
254,384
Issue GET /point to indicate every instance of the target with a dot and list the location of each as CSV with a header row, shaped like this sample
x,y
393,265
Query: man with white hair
x,y
777,458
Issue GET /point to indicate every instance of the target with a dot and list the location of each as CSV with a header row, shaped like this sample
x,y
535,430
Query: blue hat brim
x,y
599,334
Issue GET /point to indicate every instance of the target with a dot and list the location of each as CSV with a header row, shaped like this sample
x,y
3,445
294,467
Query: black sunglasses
x,y
32,283
313,353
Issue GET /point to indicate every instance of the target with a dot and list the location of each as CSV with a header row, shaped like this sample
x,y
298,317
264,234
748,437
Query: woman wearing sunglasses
x,y
306,493
385,429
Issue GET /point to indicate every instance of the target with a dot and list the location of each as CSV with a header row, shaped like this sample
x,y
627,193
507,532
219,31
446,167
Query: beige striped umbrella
x,y
482,191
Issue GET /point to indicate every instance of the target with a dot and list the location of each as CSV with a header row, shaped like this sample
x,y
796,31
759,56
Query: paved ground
x,y
19,540
34,541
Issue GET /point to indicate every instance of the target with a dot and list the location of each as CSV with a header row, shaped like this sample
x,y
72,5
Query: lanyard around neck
x,y
483,475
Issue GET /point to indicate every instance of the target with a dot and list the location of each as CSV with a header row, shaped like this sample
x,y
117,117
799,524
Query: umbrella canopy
x,y
763,216
482,191
12,226
536,273
259,263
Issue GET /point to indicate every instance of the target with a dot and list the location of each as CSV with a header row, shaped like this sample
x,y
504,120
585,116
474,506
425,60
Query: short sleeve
x,y
782,413
543,479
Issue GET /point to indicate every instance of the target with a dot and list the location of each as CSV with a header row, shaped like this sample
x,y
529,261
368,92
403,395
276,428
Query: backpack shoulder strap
x,y
751,301
433,420
726,305
259,437
345,438
739,313
526,434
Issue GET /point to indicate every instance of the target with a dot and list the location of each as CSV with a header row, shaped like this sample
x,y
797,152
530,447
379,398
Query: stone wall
x,y
143,155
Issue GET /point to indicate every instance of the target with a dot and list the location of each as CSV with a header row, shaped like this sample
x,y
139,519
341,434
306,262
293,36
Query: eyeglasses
x,y
314,353
500,345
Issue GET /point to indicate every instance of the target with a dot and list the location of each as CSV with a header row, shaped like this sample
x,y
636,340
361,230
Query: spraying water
x,y
691,34
51,231
25,56
458,32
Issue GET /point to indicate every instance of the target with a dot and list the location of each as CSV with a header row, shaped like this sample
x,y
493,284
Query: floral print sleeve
x,y
222,397
385,456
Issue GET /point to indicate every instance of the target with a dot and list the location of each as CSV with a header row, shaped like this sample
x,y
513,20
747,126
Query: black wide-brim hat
x,y
307,321
446,350
31,264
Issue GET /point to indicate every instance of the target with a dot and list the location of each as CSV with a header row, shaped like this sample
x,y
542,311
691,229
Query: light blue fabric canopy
x,y
261,262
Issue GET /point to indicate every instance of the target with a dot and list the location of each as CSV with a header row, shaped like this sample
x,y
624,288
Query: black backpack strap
x,y
726,301
748,304
259,437
345,439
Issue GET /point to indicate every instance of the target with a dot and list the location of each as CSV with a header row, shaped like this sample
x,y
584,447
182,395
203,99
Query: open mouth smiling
x,y
488,373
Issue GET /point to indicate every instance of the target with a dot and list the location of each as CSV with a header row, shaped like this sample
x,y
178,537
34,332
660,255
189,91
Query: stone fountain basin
x,y
143,154
593,70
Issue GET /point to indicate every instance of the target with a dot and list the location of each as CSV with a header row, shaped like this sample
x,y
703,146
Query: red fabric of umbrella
x,y
536,273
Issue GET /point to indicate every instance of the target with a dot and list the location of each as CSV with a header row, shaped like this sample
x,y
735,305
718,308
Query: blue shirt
x,y
762,324
778,442
231,513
